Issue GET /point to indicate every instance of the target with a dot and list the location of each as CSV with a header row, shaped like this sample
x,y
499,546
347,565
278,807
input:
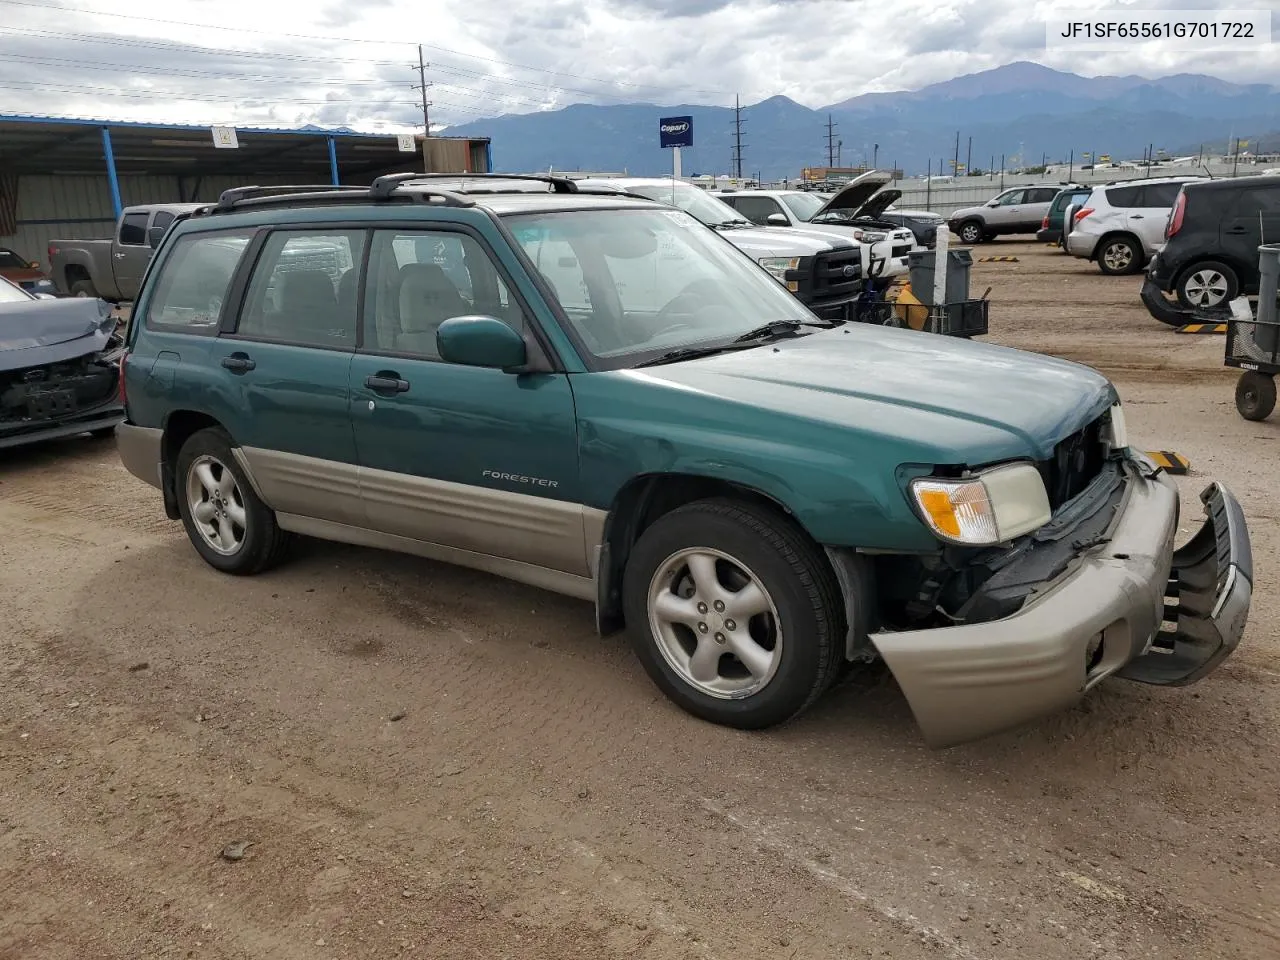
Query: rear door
x,y
470,458
282,371
1036,206
1251,220
1149,216
131,253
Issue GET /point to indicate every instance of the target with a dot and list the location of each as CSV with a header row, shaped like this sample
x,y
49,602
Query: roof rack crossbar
x,y
229,198
393,180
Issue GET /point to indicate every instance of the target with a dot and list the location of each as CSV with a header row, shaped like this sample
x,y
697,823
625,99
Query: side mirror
x,y
34,264
155,235
993,203
777,220
478,341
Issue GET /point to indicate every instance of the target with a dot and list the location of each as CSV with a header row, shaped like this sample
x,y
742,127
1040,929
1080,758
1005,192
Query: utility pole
x,y
831,142
1235,162
426,118
955,164
737,137
875,156
968,159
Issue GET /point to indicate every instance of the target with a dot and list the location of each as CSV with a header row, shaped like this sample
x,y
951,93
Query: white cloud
x,y
281,62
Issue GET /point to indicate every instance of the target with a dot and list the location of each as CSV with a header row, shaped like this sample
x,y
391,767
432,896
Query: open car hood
x,y
36,332
855,198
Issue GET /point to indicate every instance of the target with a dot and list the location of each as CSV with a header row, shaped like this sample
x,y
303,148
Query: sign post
x,y
674,133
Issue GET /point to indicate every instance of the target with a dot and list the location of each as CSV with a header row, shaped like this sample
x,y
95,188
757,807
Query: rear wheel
x,y
1255,395
971,232
734,613
1207,284
1118,256
84,288
230,527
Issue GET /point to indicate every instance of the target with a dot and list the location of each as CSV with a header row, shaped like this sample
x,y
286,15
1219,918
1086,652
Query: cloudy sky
x,y
350,62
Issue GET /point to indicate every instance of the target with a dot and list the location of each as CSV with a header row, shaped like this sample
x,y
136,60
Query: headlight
x,y
991,507
1119,438
778,266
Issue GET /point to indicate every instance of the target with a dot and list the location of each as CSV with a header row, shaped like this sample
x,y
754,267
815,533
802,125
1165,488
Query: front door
x,y
466,457
284,373
1007,212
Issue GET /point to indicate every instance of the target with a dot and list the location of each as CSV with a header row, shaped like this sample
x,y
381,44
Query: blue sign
x,y
675,131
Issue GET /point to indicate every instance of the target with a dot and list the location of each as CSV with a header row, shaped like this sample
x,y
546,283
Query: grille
x,y
829,278
902,249
1076,460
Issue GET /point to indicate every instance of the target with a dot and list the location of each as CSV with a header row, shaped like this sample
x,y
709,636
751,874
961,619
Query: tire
x,y
106,433
971,232
795,637
253,542
1119,256
84,288
1217,281
1255,395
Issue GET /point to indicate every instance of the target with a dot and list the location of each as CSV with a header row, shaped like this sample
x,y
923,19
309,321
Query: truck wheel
x,y
1207,284
231,528
83,288
971,232
734,614
1119,256
1255,395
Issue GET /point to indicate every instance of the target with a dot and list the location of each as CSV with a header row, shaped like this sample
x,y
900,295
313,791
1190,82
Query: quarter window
x,y
1125,196
304,289
1160,194
420,279
194,281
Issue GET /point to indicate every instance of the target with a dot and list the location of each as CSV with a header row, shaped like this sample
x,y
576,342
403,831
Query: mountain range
x,y
1023,110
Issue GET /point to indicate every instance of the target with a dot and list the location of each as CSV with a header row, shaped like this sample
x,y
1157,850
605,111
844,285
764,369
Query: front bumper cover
x,y
1107,615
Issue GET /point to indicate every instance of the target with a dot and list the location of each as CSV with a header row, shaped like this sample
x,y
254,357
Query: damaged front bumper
x,y
1130,606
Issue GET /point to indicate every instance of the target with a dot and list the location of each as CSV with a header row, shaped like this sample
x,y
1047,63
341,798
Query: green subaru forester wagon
x,y
599,395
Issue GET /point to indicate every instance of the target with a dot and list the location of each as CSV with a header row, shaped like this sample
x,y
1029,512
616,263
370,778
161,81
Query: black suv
x,y
1210,254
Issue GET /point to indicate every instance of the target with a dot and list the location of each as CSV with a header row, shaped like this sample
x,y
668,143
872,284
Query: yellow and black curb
x,y
1174,463
1202,328
997,259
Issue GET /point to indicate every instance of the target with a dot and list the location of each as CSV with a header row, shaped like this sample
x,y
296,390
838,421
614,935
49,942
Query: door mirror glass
x,y
155,235
776,220
479,341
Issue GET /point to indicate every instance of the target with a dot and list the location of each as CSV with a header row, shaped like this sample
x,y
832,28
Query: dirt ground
x,y
430,762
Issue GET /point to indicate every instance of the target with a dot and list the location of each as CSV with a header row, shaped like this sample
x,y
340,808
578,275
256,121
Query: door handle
x,y
238,362
386,382
118,256
1236,231
1136,216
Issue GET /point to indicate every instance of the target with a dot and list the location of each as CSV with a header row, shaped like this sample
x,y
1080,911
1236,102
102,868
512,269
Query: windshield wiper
x,y
688,353
731,224
774,328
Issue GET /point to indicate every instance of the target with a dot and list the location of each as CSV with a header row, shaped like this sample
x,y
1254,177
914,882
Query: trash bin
x,y
921,264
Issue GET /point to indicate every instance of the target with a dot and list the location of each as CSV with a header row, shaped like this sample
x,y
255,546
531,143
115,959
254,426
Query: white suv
x,y
1121,225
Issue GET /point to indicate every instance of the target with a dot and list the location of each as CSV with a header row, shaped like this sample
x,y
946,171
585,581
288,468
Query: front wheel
x,y
230,527
734,613
971,233
1255,395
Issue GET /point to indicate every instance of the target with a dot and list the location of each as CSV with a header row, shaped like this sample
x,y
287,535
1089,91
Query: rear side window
x,y
1125,196
1040,195
304,289
1160,194
133,230
163,219
194,280
1255,200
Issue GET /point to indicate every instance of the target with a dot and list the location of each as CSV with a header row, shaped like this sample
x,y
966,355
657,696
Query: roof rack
x,y
229,198
383,186
317,195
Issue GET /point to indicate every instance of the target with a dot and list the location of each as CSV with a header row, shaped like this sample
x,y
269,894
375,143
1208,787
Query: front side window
x,y
756,209
804,205
304,289
633,282
194,281
133,230
418,279
1010,198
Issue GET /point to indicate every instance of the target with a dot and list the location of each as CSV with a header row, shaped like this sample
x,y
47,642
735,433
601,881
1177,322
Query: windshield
x,y
12,293
697,203
804,205
11,261
634,283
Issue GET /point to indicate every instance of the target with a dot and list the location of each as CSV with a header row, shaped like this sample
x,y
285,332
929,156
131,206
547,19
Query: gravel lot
x,y
435,763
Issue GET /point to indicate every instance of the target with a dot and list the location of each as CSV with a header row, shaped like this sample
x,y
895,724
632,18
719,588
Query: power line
x,y
426,118
34,86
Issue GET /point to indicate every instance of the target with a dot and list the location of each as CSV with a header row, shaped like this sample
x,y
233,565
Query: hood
x,y
784,241
22,274
37,332
853,198
952,401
